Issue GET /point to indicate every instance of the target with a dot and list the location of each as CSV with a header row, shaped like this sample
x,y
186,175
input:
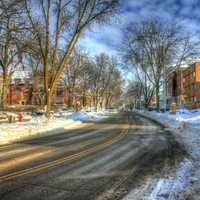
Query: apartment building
x,y
183,86
191,84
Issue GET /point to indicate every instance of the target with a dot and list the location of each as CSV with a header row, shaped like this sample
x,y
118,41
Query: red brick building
x,y
27,89
191,83
183,86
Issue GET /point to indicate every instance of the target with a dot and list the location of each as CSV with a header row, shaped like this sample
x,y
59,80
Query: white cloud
x,y
94,47
107,38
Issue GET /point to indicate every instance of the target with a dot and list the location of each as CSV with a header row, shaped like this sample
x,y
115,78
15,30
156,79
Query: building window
x,y
59,92
193,86
193,74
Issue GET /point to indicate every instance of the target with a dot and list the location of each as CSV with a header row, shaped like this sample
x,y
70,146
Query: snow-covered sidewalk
x,y
40,126
183,182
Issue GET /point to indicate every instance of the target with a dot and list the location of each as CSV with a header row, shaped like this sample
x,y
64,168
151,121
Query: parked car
x,y
37,112
164,109
151,108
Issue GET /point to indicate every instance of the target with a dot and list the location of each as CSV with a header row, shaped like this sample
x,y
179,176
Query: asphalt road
x,y
103,160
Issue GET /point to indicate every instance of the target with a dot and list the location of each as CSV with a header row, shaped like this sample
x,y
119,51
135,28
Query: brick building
x,y
28,89
183,86
191,84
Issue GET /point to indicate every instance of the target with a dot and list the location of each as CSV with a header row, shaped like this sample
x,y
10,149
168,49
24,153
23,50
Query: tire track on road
x,y
64,159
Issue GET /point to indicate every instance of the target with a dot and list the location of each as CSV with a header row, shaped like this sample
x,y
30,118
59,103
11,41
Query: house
x,y
27,89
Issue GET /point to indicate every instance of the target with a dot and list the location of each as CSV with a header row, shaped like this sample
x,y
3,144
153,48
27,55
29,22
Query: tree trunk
x,y
95,103
48,105
106,103
4,91
84,100
157,98
146,104
101,104
69,100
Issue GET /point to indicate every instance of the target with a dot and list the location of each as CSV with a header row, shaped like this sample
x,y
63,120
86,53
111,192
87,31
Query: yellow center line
x,y
13,145
67,158
86,126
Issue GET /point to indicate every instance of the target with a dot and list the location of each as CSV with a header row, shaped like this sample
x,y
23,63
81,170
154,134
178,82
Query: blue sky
x,y
107,38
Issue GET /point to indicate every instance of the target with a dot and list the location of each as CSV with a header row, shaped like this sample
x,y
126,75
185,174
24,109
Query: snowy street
x,y
106,159
99,100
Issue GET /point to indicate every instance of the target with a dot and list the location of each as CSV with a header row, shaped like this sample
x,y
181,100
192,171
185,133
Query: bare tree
x,y
100,78
33,62
161,45
74,73
133,94
70,18
12,41
97,78
136,58
113,92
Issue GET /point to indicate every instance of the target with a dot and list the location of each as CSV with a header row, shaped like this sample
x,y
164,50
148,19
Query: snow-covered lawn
x,y
183,183
39,126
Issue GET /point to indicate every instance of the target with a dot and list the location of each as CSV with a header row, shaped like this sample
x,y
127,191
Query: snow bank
x,y
191,117
172,187
184,182
40,126
175,186
84,116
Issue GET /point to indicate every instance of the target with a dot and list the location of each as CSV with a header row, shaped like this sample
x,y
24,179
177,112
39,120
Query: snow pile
x,y
87,116
62,114
40,126
182,116
175,186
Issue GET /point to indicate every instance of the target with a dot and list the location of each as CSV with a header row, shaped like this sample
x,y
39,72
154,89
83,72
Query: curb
x,y
177,137
36,132
152,119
